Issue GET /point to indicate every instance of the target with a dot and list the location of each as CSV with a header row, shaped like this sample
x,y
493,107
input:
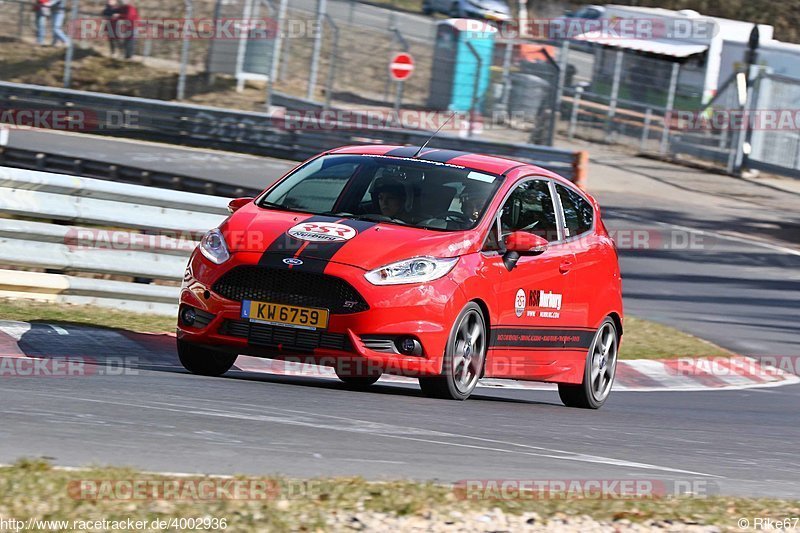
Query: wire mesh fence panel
x,y
628,96
775,134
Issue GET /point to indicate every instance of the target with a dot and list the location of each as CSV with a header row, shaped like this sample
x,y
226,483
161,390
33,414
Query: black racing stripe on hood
x,y
314,255
285,246
327,250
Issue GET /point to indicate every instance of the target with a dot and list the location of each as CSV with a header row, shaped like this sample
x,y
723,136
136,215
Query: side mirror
x,y
521,243
238,203
525,243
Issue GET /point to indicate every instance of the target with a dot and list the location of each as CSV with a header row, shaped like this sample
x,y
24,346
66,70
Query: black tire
x,y
599,371
467,363
202,361
358,382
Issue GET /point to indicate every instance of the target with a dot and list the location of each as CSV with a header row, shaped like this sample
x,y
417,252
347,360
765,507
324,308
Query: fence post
x,y
474,102
276,52
21,21
673,86
573,119
73,16
210,53
241,49
188,13
507,55
563,63
322,6
612,104
645,129
399,92
147,47
332,64
580,168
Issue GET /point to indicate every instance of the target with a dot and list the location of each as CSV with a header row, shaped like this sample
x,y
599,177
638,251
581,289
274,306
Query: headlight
x,y
214,248
417,270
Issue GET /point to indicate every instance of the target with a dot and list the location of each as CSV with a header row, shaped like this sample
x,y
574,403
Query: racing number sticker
x,y
519,303
322,232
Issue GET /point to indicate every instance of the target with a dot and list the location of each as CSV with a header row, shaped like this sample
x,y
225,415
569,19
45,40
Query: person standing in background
x,y
59,10
43,13
47,9
129,17
111,15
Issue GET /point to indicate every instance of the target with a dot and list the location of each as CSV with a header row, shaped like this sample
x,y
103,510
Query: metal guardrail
x,y
75,226
251,132
90,168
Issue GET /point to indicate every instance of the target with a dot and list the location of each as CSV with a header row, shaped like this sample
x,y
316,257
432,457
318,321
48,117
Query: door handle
x,y
565,266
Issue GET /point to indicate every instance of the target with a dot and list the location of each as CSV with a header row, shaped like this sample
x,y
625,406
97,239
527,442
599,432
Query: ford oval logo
x,y
293,261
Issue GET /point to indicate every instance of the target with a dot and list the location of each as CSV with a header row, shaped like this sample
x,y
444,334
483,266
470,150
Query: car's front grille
x,y
289,338
291,287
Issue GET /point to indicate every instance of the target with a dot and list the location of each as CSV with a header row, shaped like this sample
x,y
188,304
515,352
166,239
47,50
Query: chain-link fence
x,y
624,96
505,88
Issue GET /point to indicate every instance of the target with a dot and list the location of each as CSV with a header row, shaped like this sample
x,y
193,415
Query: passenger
x,y
391,198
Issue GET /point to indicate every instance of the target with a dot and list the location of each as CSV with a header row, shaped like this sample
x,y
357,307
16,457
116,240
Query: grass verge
x,y
643,339
33,488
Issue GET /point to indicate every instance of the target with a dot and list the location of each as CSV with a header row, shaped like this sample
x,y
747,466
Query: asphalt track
x,y
734,291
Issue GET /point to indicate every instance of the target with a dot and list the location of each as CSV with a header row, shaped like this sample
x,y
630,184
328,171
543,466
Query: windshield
x,y
410,192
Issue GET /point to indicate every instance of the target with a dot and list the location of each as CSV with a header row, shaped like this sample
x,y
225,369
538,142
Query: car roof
x,y
483,163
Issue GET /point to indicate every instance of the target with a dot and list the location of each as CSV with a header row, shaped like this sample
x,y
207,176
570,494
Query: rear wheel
x,y
202,361
598,376
463,358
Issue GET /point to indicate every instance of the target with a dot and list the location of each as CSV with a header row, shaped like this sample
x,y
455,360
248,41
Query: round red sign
x,y
401,66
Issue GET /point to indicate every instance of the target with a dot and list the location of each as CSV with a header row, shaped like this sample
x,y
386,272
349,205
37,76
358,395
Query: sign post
x,y
400,68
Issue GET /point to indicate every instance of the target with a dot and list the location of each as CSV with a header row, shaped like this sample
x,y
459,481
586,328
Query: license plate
x,y
285,315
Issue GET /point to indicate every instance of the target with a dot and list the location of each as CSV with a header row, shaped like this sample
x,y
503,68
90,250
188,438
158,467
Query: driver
x,y
472,199
391,197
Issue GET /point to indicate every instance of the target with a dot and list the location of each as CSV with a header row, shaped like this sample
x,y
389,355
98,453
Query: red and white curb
x,y
21,340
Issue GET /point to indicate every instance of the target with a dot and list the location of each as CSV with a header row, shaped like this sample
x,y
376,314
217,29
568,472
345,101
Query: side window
x,y
530,208
492,243
578,213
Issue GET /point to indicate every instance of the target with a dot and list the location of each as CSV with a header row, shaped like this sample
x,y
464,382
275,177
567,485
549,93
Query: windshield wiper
x,y
378,218
273,205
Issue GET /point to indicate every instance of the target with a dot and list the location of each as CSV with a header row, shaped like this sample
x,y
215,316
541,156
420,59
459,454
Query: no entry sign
x,y
401,66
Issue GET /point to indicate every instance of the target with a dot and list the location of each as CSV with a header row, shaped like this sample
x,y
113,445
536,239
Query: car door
x,y
588,248
531,298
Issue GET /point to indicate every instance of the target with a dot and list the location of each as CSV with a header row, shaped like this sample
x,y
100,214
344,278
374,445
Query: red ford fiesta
x,y
437,264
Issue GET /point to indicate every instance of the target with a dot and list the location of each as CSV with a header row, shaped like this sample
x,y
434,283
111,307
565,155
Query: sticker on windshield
x,y
322,232
479,176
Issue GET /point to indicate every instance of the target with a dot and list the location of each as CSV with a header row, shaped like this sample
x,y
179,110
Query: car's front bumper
x,y
423,311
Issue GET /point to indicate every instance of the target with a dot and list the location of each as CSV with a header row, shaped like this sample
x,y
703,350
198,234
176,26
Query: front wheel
x,y
598,376
463,358
202,361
